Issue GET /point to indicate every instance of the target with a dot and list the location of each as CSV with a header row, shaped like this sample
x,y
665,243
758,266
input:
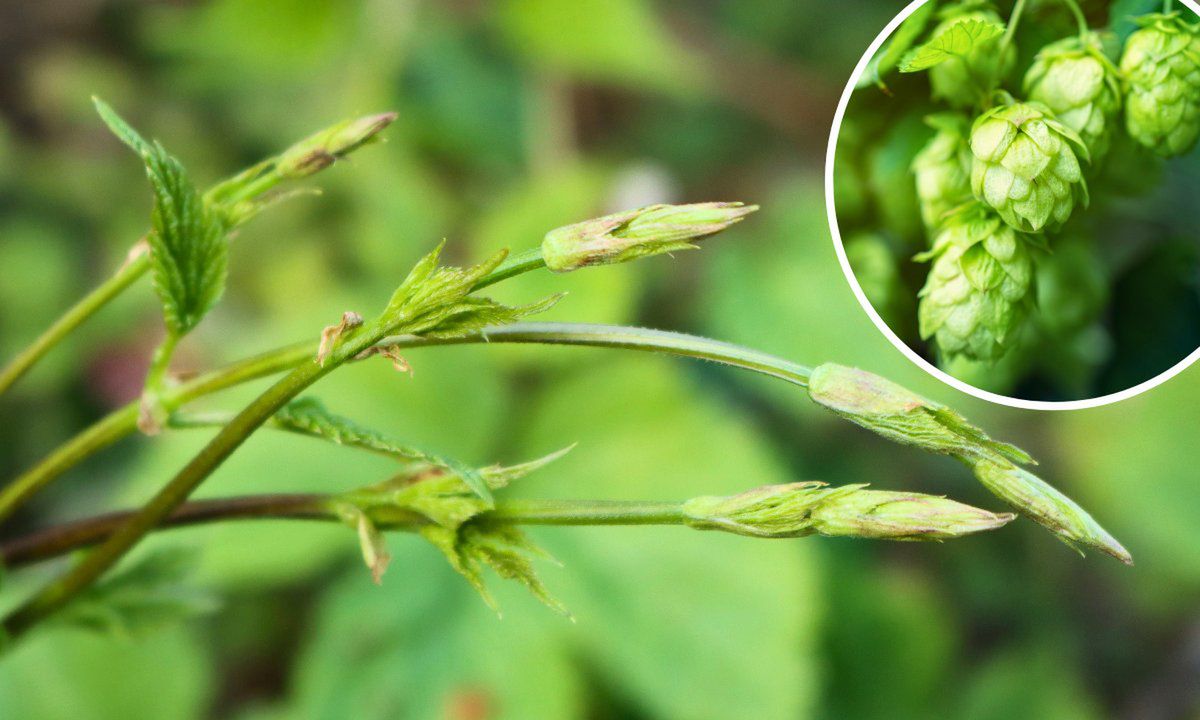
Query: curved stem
x,y
73,318
62,539
123,421
1080,19
512,266
1011,30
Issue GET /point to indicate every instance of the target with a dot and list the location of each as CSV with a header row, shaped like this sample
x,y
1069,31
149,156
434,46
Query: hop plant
x,y
1026,165
979,290
1079,84
960,80
1161,65
943,168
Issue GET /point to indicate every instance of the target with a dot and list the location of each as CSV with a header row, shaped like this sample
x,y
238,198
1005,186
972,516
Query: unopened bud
x,y
884,515
898,414
634,234
1036,499
322,149
808,508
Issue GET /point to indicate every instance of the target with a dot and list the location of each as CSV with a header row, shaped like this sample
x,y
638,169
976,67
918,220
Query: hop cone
x,y
1026,165
1080,85
979,290
958,81
943,168
1161,65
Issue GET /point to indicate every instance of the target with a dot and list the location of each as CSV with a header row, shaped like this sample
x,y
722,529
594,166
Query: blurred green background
x,y
517,116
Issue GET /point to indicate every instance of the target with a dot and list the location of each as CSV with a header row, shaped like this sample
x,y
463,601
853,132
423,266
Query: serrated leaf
x,y
188,252
148,594
309,416
957,40
503,548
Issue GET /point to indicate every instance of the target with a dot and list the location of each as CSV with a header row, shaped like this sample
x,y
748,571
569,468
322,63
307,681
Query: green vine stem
x,y
127,275
1080,19
62,539
123,421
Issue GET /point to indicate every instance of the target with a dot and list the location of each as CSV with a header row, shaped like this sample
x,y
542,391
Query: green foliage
x,y
148,594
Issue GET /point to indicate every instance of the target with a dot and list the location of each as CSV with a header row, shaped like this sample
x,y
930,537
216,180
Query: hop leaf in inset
x,y
1081,86
1027,165
980,287
1161,66
943,168
962,54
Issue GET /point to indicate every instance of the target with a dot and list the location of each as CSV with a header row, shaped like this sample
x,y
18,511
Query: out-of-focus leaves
x,y
730,617
151,591
65,674
621,41
1033,681
1142,481
889,631
423,646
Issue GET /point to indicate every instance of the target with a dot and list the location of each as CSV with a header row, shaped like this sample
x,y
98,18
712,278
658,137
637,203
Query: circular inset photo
x,y
1014,190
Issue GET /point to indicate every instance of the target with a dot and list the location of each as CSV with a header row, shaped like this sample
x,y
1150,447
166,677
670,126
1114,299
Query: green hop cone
x,y
1161,66
980,287
1081,86
1026,165
634,234
813,508
943,168
960,80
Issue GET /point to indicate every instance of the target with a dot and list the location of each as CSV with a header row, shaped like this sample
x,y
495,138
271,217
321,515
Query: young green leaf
x,y
957,40
188,252
120,128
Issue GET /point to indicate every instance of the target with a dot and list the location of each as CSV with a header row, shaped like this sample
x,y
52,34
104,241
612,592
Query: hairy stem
x,y
73,318
62,539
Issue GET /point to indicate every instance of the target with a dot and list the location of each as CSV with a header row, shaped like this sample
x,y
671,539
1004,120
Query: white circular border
x,y
887,331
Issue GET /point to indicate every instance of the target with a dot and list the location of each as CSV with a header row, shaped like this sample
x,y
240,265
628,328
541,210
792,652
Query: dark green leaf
x,y
188,252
